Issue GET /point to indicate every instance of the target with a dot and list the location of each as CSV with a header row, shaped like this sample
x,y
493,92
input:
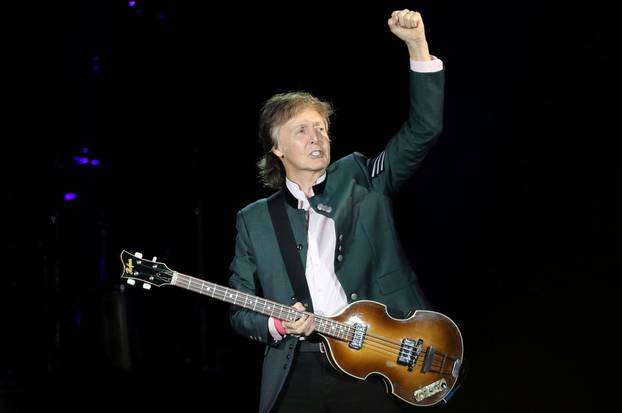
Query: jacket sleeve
x,y
407,149
243,278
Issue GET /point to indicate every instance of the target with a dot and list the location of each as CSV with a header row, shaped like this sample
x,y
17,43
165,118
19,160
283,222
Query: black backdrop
x,y
509,223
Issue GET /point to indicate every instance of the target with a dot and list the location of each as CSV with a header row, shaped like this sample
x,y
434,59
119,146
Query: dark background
x,y
509,224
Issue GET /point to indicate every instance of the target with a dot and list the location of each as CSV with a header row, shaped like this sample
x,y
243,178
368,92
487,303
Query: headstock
x,y
136,268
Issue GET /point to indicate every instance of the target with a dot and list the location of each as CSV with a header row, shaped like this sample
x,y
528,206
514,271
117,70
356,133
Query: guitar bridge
x,y
430,390
410,350
360,330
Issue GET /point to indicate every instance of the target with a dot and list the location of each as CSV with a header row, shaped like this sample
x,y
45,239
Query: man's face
x,y
304,142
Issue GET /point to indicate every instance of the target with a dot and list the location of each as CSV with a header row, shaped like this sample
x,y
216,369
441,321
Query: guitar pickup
x,y
360,330
410,350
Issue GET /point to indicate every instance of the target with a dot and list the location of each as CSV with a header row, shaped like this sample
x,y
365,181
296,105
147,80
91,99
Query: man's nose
x,y
314,135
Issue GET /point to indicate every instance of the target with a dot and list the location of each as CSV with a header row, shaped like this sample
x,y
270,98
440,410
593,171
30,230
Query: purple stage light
x,y
81,160
84,160
70,196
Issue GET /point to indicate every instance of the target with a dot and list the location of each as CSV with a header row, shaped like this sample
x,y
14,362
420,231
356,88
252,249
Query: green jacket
x,y
369,260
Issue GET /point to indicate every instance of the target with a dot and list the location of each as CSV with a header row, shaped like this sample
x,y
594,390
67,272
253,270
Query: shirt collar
x,y
294,189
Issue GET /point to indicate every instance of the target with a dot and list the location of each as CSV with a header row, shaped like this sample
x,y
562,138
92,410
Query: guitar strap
x,y
289,252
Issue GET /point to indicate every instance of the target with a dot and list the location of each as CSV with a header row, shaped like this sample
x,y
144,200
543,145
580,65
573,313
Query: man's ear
x,y
277,152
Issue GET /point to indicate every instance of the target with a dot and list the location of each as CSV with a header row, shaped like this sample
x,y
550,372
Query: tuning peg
x,y
154,258
138,254
147,286
131,282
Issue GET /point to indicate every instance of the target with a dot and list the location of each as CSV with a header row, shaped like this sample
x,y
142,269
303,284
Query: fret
x,y
332,328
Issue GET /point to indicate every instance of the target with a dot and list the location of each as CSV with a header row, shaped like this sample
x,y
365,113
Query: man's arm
x,y
245,322
404,153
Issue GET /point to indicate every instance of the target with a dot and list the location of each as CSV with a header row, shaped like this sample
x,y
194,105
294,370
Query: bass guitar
x,y
419,357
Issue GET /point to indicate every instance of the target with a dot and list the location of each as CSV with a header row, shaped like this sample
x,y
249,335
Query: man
x,y
343,231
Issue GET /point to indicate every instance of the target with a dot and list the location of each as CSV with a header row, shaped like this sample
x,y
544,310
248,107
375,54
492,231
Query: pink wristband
x,y
278,324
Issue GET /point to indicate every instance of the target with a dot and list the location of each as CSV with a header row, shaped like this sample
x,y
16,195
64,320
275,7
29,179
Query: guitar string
x,y
349,336
438,354
421,361
370,338
198,285
434,356
282,309
194,284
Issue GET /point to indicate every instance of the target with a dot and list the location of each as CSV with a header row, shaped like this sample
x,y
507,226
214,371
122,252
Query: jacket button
x,y
299,247
339,257
354,296
294,299
340,237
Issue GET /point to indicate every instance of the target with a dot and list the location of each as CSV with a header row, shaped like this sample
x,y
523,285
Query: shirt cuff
x,y
428,66
272,329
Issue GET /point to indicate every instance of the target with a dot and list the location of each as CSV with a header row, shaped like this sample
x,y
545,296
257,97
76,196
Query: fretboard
x,y
260,305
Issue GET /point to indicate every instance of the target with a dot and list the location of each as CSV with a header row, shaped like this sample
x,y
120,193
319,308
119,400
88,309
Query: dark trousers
x,y
315,386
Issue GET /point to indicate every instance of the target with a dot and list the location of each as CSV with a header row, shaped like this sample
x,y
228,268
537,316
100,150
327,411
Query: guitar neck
x,y
257,304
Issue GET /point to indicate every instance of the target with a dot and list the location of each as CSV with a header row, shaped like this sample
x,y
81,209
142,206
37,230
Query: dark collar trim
x,y
293,201
289,198
319,188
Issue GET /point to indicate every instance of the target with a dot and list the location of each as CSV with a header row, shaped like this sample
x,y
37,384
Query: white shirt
x,y
327,294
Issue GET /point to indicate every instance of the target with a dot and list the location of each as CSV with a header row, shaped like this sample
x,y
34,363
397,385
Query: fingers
x,y
406,19
305,325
